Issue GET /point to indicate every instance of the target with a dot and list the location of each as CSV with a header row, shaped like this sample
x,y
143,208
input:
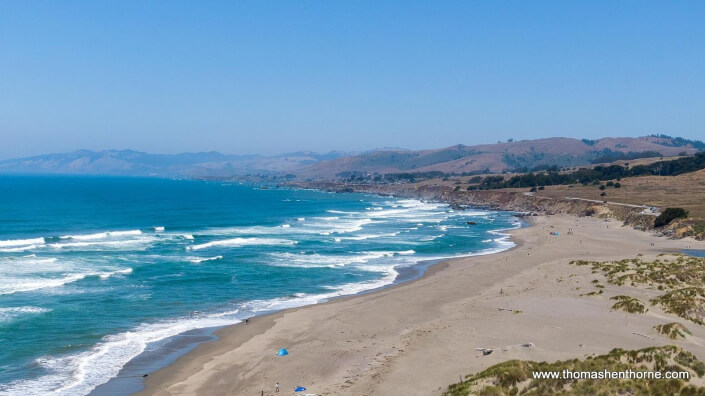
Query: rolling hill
x,y
499,157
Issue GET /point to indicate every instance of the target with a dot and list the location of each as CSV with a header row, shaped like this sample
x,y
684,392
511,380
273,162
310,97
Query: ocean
x,y
95,270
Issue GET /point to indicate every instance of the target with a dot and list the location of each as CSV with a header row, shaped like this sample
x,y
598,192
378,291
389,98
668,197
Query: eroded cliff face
x,y
500,200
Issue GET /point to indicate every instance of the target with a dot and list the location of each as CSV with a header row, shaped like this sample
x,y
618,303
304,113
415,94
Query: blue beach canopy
x,y
282,352
299,389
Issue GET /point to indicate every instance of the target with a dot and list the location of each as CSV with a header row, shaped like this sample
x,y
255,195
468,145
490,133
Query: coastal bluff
x,y
508,200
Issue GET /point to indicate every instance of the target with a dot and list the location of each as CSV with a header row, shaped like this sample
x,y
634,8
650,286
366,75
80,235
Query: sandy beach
x,y
418,337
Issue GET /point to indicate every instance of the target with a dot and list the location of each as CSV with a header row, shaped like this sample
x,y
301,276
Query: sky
x,y
268,77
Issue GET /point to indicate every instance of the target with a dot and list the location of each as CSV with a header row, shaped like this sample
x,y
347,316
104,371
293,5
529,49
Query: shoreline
x,y
516,201
428,328
164,353
425,268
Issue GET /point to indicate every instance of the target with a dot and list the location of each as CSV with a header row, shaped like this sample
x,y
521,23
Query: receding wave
x,y
20,249
12,285
9,314
102,235
21,242
332,261
202,259
238,242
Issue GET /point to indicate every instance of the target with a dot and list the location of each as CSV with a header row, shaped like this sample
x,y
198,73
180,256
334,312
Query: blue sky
x,y
269,77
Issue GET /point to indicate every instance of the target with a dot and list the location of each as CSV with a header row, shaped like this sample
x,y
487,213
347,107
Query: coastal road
x,y
617,203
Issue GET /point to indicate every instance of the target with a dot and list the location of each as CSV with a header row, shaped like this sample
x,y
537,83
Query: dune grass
x,y
515,377
681,277
629,304
673,330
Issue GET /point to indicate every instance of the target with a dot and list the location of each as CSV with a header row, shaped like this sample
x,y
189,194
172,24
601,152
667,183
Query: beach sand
x,y
418,337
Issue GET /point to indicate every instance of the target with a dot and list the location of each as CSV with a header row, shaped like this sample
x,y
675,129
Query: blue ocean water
x,y
94,269
694,252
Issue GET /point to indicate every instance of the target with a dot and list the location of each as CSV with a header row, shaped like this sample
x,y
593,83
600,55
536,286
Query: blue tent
x,y
299,389
282,352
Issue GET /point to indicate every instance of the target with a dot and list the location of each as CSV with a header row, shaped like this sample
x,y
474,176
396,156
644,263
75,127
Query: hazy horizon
x,y
271,78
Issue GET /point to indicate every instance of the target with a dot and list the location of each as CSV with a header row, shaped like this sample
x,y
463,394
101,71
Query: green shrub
x,y
668,215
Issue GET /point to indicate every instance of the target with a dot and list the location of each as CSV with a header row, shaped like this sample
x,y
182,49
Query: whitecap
x,y
202,259
21,242
237,242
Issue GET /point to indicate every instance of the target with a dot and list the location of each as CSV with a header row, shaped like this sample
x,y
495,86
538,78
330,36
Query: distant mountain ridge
x,y
136,163
307,165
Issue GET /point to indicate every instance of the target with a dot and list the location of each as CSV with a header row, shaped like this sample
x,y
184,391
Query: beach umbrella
x,y
299,389
282,352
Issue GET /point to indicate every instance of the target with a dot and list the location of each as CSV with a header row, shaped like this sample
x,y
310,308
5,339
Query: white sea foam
x,y
19,249
106,275
21,242
11,285
238,242
322,225
80,373
158,229
9,314
99,244
86,237
339,226
125,233
371,236
202,259
103,235
20,284
333,261
29,265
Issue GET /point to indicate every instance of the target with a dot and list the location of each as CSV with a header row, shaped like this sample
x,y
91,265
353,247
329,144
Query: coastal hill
x,y
503,156
136,163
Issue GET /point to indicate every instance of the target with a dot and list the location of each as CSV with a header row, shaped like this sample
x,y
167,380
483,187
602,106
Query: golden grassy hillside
x,y
685,191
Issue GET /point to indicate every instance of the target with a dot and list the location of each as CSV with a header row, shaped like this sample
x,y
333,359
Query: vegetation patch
x,y
593,293
668,215
688,303
516,377
681,277
628,304
673,330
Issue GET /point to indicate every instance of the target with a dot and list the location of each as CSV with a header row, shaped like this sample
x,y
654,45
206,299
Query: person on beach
x,y
276,388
